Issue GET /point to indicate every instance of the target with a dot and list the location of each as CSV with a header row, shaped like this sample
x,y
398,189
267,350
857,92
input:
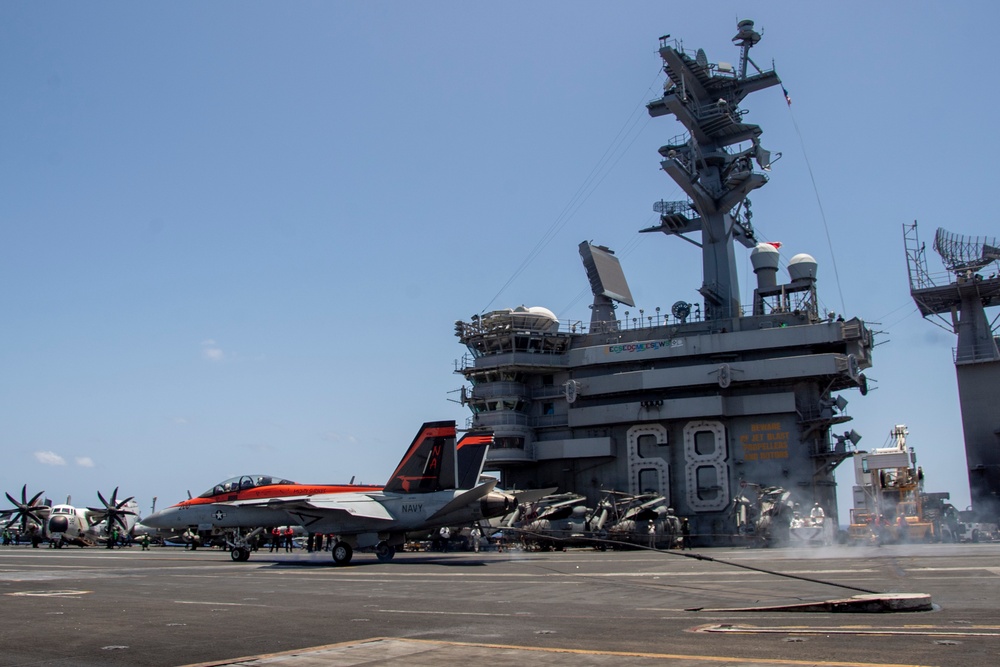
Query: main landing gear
x,y
384,551
342,553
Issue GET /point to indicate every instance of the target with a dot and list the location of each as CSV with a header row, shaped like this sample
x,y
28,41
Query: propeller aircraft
x,y
88,526
29,515
67,524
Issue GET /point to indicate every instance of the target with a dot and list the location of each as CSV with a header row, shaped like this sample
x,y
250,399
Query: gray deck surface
x,y
168,606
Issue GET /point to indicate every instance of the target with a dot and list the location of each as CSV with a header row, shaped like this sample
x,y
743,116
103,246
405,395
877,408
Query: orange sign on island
x,y
765,441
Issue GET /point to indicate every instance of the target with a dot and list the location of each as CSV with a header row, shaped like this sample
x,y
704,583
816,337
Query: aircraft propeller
x,y
113,511
25,510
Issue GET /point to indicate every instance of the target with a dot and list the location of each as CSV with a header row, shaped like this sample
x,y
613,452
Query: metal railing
x,y
499,390
975,356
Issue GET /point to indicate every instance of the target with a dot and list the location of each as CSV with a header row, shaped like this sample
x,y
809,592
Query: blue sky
x,y
234,237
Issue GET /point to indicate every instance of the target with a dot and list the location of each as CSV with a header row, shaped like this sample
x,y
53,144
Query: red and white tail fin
x,y
472,449
430,462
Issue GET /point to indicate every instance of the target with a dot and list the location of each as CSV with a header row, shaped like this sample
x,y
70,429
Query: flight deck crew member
x,y
288,538
275,538
686,534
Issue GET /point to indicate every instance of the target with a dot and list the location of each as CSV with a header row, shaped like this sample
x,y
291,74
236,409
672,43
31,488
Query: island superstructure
x,y
700,404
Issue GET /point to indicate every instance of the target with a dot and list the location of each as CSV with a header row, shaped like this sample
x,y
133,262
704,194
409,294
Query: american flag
x,y
788,98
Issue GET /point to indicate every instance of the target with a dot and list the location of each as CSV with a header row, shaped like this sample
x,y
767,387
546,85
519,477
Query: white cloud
x,y
211,351
50,458
85,461
180,421
333,436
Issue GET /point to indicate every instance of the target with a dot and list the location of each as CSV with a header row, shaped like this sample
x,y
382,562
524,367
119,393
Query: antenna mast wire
x,y
587,188
819,203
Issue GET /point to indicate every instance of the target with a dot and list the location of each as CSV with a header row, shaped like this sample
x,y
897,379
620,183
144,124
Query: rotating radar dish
x,y
961,253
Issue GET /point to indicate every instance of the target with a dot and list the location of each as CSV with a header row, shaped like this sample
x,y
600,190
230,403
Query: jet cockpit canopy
x,y
242,483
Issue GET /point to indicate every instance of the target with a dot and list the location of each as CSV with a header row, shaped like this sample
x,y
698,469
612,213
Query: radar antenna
x,y
608,284
962,254
745,38
964,301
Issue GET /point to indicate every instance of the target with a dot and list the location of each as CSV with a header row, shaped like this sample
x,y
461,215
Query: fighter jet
x,y
424,492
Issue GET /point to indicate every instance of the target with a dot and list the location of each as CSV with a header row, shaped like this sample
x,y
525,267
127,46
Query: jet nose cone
x,y
58,524
141,529
162,519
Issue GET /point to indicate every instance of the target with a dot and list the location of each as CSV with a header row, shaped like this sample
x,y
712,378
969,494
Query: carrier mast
x,y
705,98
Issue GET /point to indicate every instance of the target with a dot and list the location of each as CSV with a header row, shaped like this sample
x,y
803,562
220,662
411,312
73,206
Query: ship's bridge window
x,y
234,484
508,442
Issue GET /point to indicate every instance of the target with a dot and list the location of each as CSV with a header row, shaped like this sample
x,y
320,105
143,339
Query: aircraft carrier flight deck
x,y
169,606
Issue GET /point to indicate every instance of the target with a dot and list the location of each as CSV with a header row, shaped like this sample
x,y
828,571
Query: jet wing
x,y
363,506
533,495
465,498
360,505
